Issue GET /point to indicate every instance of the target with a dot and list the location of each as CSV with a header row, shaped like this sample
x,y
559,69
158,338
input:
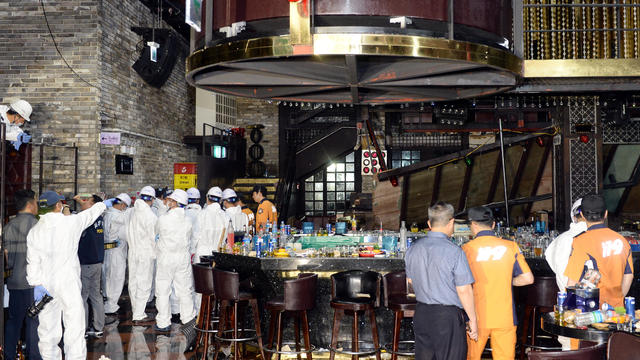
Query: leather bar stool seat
x,y
227,292
299,297
354,292
538,298
397,299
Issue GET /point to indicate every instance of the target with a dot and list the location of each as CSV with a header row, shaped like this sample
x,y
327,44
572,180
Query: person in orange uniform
x,y
266,209
247,211
496,264
601,249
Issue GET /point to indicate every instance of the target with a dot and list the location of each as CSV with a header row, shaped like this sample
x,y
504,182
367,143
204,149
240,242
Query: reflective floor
x,y
123,340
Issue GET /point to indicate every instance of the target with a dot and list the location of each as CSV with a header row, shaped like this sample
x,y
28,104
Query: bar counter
x,y
268,275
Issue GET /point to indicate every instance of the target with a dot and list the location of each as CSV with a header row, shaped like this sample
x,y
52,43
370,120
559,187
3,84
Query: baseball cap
x,y
593,204
49,198
480,214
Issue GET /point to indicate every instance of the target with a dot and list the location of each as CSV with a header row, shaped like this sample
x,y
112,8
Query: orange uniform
x,y
494,263
266,212
609,253
250,216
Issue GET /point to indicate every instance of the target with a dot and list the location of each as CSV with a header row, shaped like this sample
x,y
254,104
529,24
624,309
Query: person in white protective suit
x,y
191,212
173,263
13,116
53,267
213,223
558,252
238,218
141,238
115,259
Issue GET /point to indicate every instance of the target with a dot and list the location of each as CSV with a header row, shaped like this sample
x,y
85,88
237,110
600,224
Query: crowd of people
x,y
465,294
78,261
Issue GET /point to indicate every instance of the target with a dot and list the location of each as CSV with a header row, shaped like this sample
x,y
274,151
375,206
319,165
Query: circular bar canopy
x,y
352,68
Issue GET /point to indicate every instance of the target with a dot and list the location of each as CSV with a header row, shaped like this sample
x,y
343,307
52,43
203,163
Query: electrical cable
x,y
55,43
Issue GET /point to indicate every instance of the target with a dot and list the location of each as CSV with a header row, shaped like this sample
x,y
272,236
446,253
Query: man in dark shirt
x,y
441,278
20,293
91,255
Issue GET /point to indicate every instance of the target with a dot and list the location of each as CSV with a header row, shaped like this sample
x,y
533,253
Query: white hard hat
x,y
23,109
148,190
193,193
228,194
215,191
124,198
180,196
575,209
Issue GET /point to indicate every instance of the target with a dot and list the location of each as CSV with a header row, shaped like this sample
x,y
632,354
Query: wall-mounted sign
x,y
110,138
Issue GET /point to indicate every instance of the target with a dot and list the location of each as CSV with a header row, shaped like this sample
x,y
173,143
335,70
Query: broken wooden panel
x,y
484,167
419,197
451,182
513,154
387,200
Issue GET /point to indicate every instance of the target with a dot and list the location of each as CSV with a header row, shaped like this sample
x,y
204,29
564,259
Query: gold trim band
x,y
354,44
581,68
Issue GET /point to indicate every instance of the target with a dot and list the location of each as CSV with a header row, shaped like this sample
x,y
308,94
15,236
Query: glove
x,y
16,144
24,137
109,202
39,292
118,243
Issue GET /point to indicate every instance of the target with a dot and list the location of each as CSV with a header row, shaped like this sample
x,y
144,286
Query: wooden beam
x,y
494,180
436,185
405,198
536,183
524,158
456,155
465,187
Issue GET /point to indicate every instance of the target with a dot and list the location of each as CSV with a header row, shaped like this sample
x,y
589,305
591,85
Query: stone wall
x,y
253,112
153,121
94,37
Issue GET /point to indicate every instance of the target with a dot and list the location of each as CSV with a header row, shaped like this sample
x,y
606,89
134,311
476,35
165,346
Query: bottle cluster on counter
x,y
334,240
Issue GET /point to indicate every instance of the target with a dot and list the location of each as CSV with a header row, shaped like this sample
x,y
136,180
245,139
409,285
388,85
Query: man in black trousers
x,y
20,293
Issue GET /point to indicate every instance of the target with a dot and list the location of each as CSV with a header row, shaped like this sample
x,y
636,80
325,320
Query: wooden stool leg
x,y
354,340
272,327
533,325
279,336
296,323
206,325
221,324
374,333
396,333
256,321
200,320
337,316
305,334
525,331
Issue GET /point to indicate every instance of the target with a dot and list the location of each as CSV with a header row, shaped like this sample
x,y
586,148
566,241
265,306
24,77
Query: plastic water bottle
x,y
593,317
259,246
246,244
403,238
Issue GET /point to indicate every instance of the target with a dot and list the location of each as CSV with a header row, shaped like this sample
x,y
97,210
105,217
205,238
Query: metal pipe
x,y
504,174
518,27
2,209
75,175
451,20
41,170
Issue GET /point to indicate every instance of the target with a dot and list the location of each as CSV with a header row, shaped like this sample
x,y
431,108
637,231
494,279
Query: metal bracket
x,y
235,28
402,20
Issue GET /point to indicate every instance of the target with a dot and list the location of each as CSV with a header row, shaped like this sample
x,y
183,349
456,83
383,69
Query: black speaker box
x,y
157,73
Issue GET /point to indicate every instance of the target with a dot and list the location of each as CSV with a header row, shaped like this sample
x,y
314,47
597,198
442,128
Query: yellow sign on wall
x,y
185,181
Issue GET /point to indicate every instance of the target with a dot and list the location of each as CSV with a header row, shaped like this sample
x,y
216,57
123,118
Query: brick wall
x,y
94,37
64,106
253,112
153,121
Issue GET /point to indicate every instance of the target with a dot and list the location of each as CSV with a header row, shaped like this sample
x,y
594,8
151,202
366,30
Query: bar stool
x,y
203,281
539,297
354,292
299,297
226,285
397,300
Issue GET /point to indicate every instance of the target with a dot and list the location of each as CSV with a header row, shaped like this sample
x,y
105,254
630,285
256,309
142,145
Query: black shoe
x,y
164,329
94,333
175,318
111,314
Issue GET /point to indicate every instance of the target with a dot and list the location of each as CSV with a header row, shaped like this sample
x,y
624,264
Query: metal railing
x,y
580,29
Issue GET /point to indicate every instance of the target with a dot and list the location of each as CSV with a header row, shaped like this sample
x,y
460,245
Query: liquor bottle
x,y
403,238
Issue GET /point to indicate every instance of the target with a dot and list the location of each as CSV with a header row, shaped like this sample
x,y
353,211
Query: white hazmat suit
x,y
141,237
115,260
239,219
174,267
213,223
52,261
191,212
